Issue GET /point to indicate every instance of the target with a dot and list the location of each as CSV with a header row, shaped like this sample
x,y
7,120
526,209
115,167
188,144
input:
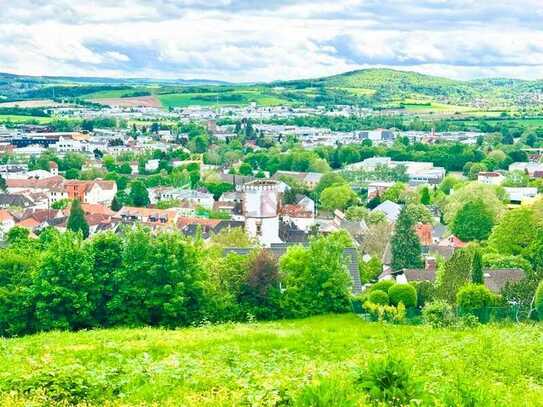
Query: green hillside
x,y
319,361
378,88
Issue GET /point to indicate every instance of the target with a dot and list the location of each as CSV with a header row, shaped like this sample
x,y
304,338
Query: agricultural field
x,y
145,101
230,98
8,118
328,360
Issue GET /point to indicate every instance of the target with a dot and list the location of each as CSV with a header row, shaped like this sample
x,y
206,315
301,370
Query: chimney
x,y
430,264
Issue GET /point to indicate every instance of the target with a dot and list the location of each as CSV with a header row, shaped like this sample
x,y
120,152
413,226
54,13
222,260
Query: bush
x,y
383,285
438,314
379,297
474,296
326,392
388,313
389,381
539,300
404,293
425,292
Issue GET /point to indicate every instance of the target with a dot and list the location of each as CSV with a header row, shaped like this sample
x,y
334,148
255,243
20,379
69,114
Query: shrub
x,y
438,314
539,300
327,392
383,285
389,381
404,293
379,297
474,296
387,313
425,292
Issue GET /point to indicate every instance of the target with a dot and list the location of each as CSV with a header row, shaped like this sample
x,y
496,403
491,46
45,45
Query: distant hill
x,y
374,87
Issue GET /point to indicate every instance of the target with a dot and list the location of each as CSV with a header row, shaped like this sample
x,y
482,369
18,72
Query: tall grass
x,y
329,360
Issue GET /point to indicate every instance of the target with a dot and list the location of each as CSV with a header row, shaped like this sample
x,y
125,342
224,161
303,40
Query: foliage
x,y
472,222
76,221
425,197
453,275
425,292
404,293
376,239
261,291
474,296
515,232
406,250
356,213
491,197
116,204
164,274
315,279
370,270
419,213
389,381
139,196
382,285
438,314
385,312
477,276
61,204
378,297
539,300
63,284
337,197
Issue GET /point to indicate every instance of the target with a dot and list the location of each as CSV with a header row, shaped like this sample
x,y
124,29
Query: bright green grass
x,y
268,363
7,118
221,99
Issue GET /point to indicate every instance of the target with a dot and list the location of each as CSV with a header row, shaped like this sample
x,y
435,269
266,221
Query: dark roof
x,y
236,179
15,200
280,248
497,279
419,275
290,233
443,251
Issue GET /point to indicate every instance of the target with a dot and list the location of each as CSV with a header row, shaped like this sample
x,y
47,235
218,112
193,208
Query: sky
x,y
266,40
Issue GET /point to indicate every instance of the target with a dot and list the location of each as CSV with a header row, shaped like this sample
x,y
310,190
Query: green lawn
x,y
269,364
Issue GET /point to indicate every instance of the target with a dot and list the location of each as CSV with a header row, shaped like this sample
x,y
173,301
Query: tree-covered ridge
x,y
376,87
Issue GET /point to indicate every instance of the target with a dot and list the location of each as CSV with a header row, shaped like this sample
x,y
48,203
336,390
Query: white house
x,y
490,178
521,194
6,223
69,145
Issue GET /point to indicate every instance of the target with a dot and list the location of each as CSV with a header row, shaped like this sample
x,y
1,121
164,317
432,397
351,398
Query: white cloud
x,y
247,40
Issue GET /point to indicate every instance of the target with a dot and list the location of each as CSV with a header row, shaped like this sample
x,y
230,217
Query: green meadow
x,y
313,362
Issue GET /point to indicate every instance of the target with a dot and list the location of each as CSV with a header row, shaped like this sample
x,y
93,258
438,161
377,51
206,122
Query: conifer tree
x,y
76,221
477,268
406,250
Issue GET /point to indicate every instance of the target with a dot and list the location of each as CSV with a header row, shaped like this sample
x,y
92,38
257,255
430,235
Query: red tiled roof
x,y
50,182
295,211
5,215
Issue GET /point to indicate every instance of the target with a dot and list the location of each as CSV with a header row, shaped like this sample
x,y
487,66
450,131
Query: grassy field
x,y
221,99
5,118
306,362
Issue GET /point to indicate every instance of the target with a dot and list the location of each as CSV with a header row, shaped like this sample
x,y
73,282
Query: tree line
x,y
62,282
